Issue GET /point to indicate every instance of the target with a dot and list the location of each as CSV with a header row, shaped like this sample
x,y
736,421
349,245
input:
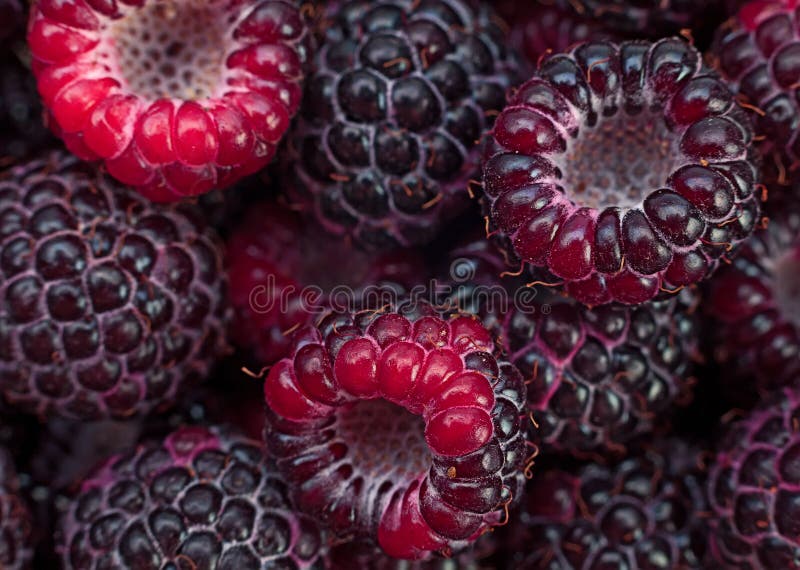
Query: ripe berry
x,y
399,426
16,526
755,302
644,513
400,95
203,499
541,29
177,97
753,489
598,378
758,54
110,304
624,170
282,269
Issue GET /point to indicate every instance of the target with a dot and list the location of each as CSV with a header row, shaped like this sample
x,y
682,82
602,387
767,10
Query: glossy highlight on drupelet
x,y
622,171
399,426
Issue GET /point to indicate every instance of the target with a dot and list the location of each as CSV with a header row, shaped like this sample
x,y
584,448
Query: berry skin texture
x,y
111,305
598,378
16,524
758,55
627,185
753,489
755,303
201,500
400,427
540,29
400,95
281,269
176,97
643,513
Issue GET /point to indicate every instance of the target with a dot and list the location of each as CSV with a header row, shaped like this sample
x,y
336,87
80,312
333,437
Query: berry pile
x,y
400,284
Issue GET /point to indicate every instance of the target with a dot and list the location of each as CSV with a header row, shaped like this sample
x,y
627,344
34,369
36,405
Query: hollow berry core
x,y
787,285
619,160
170,49
386,441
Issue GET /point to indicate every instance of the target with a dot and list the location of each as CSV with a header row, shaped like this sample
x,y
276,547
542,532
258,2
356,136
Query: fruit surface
x,y
399,426
203,498
177,97
641,514
753,488
624,171
110,304
400,95
598,378
758,54
755,303
283,271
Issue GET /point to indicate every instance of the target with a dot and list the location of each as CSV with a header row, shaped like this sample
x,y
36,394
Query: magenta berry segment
x,y
753,488
623,170
177,97
399,426
111,305
16,523
400,95
202,499
598,378
640,514
755,303
758,55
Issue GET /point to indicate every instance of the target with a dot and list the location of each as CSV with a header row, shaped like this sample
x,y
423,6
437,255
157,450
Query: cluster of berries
x,y
400,284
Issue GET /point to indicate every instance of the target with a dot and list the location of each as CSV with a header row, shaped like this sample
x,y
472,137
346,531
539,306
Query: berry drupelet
x,y
400,95
16,524
759,55
644,513
204,499
755,304
178,96
753,489
110,304
598,378
540,29
624,170
281,268
399,426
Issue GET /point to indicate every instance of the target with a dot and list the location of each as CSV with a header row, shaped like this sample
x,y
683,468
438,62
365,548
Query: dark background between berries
x,y
51,456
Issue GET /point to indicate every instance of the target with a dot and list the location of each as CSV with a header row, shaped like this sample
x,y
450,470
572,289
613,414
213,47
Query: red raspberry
x,y
178,96
399,426
624,170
